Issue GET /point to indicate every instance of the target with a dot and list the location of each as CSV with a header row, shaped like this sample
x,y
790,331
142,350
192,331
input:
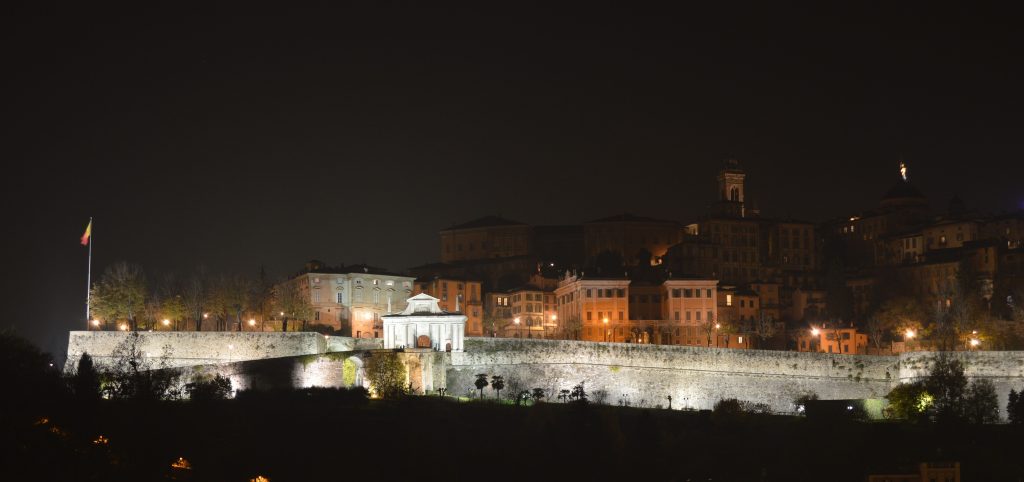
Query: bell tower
x,y
730,190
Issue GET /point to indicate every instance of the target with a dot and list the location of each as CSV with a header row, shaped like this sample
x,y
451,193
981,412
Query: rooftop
x,y
485,222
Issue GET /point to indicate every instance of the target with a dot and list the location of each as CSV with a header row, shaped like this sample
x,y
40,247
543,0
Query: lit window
x,y
728,300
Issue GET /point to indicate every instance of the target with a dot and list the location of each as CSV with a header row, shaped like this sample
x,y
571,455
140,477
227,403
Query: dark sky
x,y
351,135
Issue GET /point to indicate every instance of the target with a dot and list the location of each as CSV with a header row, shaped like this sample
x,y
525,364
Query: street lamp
x,y
96,323
252,322
975,342
815,331
909,334
123,327
518,329
606,331
166,322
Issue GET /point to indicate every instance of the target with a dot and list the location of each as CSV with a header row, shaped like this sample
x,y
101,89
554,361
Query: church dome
x,y
903,194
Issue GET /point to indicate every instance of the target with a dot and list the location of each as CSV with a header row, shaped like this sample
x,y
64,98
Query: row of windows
x,y
603,315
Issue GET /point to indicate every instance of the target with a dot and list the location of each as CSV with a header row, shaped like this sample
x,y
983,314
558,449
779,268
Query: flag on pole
x,y
88,233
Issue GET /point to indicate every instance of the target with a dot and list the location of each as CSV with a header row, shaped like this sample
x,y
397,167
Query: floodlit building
x,y
352,299
423,324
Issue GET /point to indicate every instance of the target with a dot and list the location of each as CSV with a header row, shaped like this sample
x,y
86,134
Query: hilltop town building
x,y
352,299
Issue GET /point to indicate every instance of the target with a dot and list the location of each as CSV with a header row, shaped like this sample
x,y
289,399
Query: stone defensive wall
x,y
640,375
170,349
695,377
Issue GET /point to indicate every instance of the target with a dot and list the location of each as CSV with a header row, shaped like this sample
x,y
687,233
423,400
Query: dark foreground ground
x,y
332,436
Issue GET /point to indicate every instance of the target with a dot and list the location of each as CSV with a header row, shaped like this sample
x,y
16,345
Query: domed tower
x,y
730,190
904,195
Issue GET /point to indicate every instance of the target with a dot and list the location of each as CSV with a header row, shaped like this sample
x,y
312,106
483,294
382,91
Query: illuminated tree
x,y
289,300
894,318
230,298
120,296
764,327
386,374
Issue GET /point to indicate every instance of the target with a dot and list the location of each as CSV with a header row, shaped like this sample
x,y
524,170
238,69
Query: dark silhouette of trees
x,y
481,383
216,388
85,383
981,404
537,394
1015,407
497,383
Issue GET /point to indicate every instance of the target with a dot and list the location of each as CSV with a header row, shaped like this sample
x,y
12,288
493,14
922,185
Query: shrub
x,y
216,388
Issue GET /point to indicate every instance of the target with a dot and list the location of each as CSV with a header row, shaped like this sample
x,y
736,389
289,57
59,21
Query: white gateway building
x,y
423,324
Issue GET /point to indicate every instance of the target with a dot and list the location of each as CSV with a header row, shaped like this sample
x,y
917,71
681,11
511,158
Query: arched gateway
x,y
423,324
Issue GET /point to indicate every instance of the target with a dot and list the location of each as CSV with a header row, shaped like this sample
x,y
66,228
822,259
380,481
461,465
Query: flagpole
x,y
88,279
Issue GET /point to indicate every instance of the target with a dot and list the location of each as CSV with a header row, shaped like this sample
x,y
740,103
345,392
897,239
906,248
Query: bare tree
x,y
764,327
196,297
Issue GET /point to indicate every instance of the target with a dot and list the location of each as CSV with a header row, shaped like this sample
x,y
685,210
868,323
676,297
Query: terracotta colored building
x,y
457,295
484,238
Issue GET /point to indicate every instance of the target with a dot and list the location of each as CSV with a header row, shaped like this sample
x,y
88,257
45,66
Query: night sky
x,y
354,135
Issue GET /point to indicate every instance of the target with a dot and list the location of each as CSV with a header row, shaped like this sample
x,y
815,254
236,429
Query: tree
x,y
1015,407
764,327
497,383
230,298
563,395
579,394
481,383
909,401
216,388
134,375
85,383
289,300
196,297
947,384
537,394
713,327
897,315
386,375
120,296
981,404
262,297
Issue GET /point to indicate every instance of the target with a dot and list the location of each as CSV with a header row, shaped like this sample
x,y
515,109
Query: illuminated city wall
x,y
184,348
694,377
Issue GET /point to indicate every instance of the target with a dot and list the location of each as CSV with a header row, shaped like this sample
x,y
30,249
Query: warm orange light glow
x,y
605,321
181,463
95,322
206,315
554,317
718,325
166,322
101,440
910,334
252,322
975,342
259,478
123,327
516,320
815,331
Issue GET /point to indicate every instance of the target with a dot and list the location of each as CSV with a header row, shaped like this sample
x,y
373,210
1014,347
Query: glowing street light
x,y
123,327
206,315
815,331
975,342
252,322
166,322
96,323
554,317
909,334
718,325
